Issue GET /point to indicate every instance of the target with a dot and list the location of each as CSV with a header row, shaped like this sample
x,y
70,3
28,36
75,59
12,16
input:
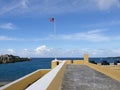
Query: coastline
x,y
4,83
12,59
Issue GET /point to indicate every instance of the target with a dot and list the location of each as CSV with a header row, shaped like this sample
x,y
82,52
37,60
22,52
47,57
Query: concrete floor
x,y
80,77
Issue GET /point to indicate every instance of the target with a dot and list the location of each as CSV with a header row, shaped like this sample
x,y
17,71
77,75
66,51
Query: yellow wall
x,y
86,58
111,71
22,84
68,61
53,64
80,62
57,81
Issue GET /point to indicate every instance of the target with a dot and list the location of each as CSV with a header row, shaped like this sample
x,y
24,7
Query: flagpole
x,y
54,29
55,39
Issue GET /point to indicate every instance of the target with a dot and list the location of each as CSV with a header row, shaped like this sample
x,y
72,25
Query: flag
x,y
51,19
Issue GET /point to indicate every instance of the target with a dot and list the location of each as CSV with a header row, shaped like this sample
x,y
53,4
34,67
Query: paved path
x,y
80,77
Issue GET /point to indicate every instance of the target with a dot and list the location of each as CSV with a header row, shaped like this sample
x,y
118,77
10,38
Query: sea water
x,y
12,71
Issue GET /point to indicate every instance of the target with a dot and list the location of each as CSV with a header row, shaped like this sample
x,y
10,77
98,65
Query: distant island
x,y
117,58
12,59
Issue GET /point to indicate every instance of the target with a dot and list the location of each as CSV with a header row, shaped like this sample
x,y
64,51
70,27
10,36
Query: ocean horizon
x,y
13,71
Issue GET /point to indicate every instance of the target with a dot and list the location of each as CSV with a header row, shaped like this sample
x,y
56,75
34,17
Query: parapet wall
x,y
57,81
24,82
111,71
51,81
54,63
78,62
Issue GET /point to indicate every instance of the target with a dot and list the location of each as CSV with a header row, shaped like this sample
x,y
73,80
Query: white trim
x,y
3,87
44,82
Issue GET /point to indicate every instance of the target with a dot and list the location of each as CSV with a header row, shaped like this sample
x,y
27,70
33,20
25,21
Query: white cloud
x,y
11,51
5,38
105,52
97,35
116,51
6,9
13,6
25,50
96,31
8,26
24,3
107,4
25,53
42,49
103,24
56,6
92,35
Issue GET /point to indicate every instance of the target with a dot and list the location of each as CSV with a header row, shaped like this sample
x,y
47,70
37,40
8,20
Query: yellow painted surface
x,y
22,84
53,64
80,62
57,81
111,71
68,61
86,58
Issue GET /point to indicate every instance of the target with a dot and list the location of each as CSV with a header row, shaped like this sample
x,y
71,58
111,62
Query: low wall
x,y
78,62
68,61
55,63
57,81
52,80
113,72
25,81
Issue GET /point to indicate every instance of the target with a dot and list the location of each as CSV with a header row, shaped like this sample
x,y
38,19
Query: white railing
x,y
23,80
45,81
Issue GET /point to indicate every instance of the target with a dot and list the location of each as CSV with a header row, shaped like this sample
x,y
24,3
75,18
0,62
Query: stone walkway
x,y
81,77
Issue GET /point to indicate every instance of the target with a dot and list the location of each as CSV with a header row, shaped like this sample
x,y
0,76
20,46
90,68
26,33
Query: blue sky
x,y
82,26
